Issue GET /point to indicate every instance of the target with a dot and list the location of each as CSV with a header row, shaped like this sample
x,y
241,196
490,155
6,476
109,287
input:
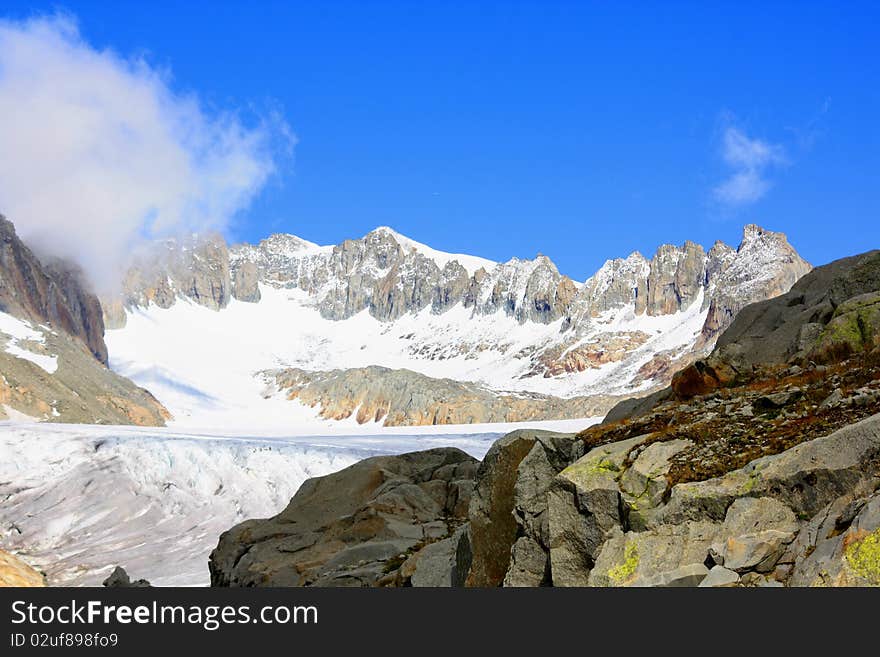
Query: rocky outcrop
x,y
508,512
48,376
120,579
682,496
52,293
676,277
15,572
196,267
387,520
765,266
406,398
246,283
828,315
52,352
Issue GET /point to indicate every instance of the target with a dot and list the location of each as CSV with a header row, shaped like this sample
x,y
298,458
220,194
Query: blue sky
x,y
579,130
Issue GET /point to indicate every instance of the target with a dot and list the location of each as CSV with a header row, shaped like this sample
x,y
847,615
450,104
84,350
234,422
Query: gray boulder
x,y
357,527
120,579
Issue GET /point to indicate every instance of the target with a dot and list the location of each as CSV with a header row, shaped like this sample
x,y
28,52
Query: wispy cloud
x,y
750,161
99,152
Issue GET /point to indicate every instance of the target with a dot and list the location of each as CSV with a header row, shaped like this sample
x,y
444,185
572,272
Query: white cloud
x,y
750,160
99,153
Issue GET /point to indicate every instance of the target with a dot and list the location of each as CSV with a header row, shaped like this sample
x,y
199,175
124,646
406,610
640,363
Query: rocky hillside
x,y
14,572
518,327
52,293
405,398
754,469
52,352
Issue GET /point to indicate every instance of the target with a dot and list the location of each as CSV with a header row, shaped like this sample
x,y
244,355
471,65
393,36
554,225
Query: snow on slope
x,y
81,499
203,364
19,331
469,262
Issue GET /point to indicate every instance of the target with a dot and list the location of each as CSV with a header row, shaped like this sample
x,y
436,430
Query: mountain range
x,y
380,330
337,330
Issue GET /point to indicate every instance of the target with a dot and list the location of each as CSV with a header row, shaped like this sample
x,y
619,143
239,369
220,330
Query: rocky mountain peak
x,y
51,292
765,266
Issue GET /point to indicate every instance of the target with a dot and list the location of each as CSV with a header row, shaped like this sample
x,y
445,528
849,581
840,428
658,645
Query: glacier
x,y
80,499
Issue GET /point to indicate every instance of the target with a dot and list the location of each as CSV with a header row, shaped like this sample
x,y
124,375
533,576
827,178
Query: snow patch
x,y
20,331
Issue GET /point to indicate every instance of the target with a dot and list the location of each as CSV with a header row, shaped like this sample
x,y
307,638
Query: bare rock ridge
x,y
196,268
389,275
406,398
52,352
54,294
760,467
607,323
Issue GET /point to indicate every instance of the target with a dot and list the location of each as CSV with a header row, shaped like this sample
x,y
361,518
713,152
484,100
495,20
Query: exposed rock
x,y
757,530
720,577
406,398
840,546
677,275
53,357
670,555
358,527
196,267
765,266
770,331
245,283
120,579
805,478
644,482
529,564
442,564
854,327
79,389
507,498
51,292
585,504
15,572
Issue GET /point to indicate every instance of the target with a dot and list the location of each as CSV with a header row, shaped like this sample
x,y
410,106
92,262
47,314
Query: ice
x,y
81,499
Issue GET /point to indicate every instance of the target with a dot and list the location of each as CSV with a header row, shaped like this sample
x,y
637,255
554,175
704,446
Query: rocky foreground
x,y
759,466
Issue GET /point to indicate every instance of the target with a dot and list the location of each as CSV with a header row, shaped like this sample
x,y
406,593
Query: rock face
x,y
52,294
52,352
765,266
75,388
120,579
196,268
405,398
387,520
508,512
15,572
245,285
389,275
830,314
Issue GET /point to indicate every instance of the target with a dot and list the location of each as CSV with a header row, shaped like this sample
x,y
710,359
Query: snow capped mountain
x,y
203,325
